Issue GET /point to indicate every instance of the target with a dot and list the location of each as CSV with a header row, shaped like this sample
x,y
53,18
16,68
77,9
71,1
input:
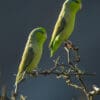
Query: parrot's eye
x,y
39,31
76,1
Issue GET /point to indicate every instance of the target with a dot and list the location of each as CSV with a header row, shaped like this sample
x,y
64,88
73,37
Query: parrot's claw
x,y
35,73
68,44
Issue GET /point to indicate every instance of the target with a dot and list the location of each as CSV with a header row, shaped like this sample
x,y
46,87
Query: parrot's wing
x,y
26,60
60,25
29,56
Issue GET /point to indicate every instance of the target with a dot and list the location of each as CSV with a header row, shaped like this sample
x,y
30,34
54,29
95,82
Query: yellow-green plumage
x,y
65,24
32,53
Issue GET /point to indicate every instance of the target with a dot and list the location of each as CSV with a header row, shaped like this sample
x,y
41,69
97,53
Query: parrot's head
x,y
74,5
38,34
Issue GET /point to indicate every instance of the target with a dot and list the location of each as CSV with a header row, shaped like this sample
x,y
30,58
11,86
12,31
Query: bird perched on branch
x,y
32,53
65,24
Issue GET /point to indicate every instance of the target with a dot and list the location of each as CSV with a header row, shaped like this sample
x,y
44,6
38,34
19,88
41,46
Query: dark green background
x,y
19,17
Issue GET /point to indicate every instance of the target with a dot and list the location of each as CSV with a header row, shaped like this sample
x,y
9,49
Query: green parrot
x,y
64,25
32,53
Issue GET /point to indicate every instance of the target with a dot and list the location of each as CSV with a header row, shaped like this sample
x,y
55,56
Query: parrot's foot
x,y
68,45
34,73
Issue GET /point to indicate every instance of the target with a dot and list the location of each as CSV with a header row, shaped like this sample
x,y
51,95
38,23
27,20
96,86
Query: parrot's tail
x,y
19,79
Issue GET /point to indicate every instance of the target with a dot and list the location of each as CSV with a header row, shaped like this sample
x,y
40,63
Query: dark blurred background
x,y
19,17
